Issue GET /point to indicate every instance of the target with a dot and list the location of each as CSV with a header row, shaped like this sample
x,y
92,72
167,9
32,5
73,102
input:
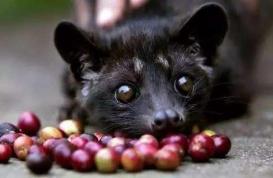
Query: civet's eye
x,y
184,85
126,93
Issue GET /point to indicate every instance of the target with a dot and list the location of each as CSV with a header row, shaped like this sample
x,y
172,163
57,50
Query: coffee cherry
x,y
36,149
167,160
92,147
131,142
201,148
49,145
79,142
147,153
117,141
5,152
119,149
21,146
7,128
82,161
179,139
50,132
36,140
222,145
62,154
39,163
106,160
71,137
89,137
148,139
105,139
29,123
209,133
176,148
131,161
70,127
9,138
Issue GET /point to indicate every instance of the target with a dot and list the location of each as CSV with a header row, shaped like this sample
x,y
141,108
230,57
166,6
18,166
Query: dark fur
x,y
101,61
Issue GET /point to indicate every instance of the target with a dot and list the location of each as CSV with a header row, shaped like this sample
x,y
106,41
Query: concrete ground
x,y
29,80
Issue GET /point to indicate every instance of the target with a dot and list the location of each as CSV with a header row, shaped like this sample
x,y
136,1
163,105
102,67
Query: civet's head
x,y
145,77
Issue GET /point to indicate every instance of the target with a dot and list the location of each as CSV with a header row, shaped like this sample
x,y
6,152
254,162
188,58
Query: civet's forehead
x,y
138,65
160,59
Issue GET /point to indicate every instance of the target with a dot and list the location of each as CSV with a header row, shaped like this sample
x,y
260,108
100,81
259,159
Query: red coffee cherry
x,y
82,161
222,145
29,123
5,152
131,161
201,148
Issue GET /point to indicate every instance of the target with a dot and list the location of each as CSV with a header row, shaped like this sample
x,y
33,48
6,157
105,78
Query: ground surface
x,y
29,80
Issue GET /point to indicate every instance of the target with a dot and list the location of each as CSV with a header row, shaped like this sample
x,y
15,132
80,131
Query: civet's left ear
x,y
208,25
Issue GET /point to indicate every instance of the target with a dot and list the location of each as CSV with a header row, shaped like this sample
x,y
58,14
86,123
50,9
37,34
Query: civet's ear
x,y
208,25
77,48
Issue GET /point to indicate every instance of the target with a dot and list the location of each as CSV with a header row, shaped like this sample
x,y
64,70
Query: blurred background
x,y
30,67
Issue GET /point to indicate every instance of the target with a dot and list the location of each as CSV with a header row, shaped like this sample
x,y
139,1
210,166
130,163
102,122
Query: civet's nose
x,y
167,119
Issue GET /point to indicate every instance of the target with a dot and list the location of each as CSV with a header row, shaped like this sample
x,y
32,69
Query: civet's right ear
x,y
77,48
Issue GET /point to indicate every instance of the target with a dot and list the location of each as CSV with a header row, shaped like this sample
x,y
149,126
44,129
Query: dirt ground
x,y
30,69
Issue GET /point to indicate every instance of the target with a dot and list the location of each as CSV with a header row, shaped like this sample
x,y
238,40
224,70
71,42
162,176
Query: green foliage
x,y
16,10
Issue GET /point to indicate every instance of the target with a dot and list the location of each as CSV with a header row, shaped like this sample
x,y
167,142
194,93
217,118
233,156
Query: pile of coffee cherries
x,y
70,148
